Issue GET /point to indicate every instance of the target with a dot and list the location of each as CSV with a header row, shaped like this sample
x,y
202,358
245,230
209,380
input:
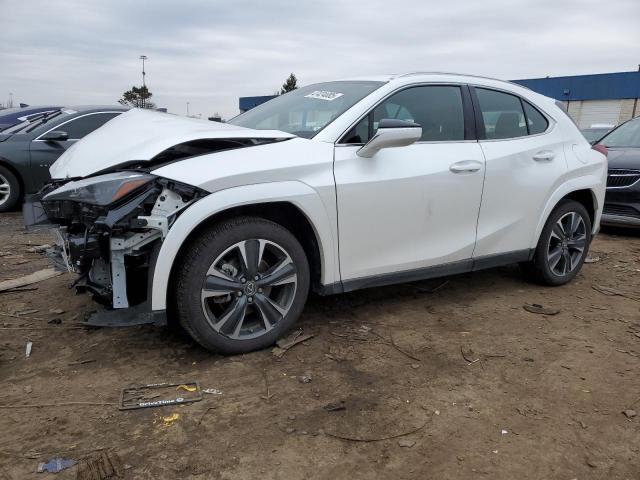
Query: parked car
x,y
622,201
230,225
12,116
29,148
596,132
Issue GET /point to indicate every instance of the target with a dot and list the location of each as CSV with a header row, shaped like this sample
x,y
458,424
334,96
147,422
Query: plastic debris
x,y
170,419
212,391
27,350
187,388
55,465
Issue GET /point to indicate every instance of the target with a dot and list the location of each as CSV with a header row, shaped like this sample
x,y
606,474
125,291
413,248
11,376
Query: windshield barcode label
x,y
324,95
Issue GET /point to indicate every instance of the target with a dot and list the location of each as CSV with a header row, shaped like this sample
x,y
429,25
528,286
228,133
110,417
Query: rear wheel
x,y
243,283
563,245
9,190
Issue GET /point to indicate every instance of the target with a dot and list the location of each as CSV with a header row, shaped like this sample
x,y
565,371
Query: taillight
x,y
598,147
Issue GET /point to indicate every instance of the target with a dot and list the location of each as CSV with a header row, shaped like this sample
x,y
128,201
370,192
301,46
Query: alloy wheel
x,y
567,244
5,189
249,288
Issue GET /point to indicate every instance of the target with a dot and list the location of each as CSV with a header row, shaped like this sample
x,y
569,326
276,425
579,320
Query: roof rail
x,y
409,74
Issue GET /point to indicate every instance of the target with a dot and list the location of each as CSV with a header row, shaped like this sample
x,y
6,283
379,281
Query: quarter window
x,y
508,116
81,126
436,108
536,122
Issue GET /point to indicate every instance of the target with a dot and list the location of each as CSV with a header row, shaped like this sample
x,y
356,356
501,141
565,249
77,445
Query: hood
x,y
139,135
624,158
5,136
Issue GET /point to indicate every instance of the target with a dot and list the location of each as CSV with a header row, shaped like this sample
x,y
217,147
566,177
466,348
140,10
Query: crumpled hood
x,y
140,135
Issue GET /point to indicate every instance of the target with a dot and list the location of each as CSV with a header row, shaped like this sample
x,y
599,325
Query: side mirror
x,y
391,133
55,136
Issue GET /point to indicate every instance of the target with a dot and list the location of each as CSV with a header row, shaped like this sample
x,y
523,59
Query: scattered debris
x,y
55,321
378,439
466,356
62,404
292,340
39,248
104,465
35,277
393,344
187,388
335,406
56,311
27,350
591,259
146,396
306,378
170,419
212,391
539,309
612,292
405,443
55,465
28,389
205,413
503,431
630,413
290,430
81,362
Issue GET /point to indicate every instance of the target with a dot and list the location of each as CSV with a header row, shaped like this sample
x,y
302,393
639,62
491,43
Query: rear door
x,y
44,153
525,162
410,208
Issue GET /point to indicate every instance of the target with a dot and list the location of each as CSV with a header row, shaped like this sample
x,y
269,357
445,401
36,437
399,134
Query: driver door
x,y
410,212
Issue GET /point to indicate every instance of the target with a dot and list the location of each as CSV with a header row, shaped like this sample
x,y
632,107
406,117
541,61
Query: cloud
x,y
209,53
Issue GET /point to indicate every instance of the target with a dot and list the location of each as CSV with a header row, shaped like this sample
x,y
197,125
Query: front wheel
x,y
242,284
563,245
9,190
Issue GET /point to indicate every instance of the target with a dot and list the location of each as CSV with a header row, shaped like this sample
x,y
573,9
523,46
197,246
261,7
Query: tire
x,y
558,258
216,285
9,190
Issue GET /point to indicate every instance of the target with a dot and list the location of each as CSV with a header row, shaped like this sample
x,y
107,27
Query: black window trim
x,y
38,138
470,121
480,127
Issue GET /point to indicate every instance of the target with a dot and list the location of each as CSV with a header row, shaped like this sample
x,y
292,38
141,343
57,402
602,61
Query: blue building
x,y
247,103
605,98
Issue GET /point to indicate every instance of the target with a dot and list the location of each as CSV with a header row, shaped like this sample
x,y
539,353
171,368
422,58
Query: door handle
x,y
466,166
544,156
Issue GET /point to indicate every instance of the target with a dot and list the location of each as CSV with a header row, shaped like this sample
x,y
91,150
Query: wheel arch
x,y
294,205
586,194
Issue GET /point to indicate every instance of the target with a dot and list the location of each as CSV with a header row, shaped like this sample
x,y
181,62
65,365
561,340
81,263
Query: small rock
x,y
290,430
56,311
291,417
629,413
415,365
306,378
406,443
527,359
55,321
437,412
28,389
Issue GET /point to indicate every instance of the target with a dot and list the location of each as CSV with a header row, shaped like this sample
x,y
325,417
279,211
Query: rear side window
x,y
508,116
536,122
436,108
502,114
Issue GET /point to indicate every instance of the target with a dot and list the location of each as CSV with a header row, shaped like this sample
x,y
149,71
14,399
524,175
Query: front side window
x,y
436,108
307,110
626,135
508,116
82,126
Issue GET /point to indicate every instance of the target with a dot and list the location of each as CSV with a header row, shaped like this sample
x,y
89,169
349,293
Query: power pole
x,y
144,86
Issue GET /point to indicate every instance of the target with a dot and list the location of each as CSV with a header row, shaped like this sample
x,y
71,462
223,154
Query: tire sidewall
x,y
14,190
541,262
194,270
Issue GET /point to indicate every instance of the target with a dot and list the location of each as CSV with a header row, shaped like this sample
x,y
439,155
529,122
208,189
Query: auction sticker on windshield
x,y
324,95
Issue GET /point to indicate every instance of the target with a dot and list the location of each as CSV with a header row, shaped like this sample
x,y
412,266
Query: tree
x,y
290,85
137,97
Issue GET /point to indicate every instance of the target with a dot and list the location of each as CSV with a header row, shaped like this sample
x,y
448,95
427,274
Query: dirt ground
x,y
460,382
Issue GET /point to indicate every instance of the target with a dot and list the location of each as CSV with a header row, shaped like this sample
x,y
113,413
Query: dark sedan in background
x,y
28,149
622,202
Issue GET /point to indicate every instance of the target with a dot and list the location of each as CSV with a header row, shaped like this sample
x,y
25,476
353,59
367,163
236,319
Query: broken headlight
x,y
102,190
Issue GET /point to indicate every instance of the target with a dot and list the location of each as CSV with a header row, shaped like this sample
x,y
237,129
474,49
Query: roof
x,y
601,86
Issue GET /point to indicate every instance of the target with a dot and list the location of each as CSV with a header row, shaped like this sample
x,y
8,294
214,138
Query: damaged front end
x,y
109,229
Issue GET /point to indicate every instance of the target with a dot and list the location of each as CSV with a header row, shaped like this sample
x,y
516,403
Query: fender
x,y
322,217
591,182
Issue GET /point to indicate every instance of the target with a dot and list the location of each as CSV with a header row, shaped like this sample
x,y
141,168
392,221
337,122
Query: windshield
x,y
626,135
307,110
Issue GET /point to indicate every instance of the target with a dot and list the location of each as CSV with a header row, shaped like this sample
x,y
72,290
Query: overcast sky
x,y
210,52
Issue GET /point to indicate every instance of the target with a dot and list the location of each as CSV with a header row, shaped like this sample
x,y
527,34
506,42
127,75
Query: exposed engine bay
x,y
110,228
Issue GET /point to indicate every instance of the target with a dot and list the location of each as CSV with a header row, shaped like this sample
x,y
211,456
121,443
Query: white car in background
x,y
333,187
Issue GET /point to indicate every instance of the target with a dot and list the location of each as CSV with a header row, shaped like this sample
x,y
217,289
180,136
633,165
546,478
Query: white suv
x,y
333,187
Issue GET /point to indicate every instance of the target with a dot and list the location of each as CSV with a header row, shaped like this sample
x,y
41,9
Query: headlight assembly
x,y
102,190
